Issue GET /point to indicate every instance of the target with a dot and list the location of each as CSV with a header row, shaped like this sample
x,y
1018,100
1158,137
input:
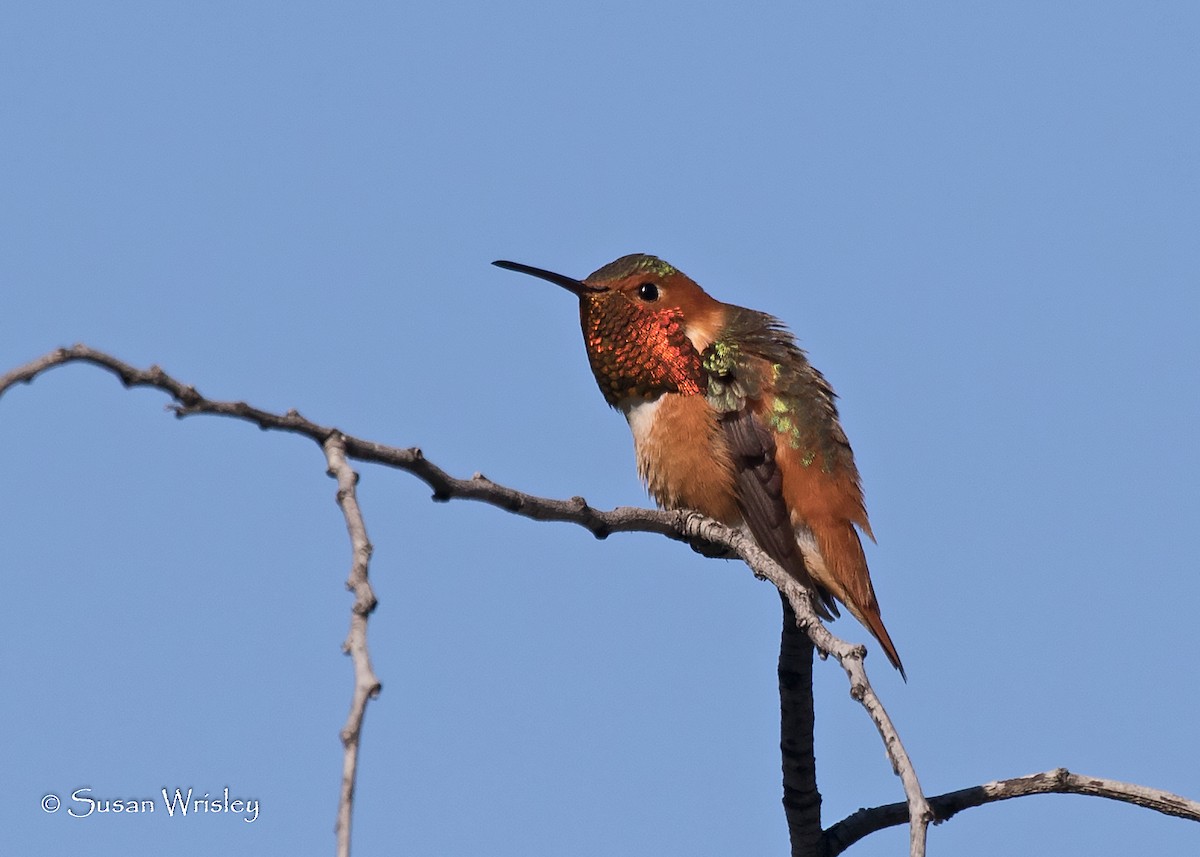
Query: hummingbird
x,y
730,419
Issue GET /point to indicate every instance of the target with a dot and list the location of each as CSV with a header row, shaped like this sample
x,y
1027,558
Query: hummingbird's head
x,y
645,324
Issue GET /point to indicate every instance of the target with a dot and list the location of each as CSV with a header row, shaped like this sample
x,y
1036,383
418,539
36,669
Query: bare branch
x,y
1059,781
703,534
366,683
685,526
851,659
445,487
690,527
801,794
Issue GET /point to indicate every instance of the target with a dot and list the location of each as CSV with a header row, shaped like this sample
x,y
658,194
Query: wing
x,y
798,487
759,484
734,390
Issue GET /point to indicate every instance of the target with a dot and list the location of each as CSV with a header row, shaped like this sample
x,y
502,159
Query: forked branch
x,y
689,527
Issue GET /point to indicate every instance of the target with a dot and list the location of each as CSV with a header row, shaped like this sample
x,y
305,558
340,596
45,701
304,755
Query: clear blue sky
x,y
980,220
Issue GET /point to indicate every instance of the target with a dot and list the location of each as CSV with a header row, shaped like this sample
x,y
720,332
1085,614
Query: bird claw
x,y
713,550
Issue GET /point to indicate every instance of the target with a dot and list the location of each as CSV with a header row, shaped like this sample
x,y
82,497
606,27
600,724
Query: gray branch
x,y
366,684
854,827
690,527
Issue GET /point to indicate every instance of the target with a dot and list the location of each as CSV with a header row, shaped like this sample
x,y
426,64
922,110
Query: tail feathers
x,y
835,559
873,622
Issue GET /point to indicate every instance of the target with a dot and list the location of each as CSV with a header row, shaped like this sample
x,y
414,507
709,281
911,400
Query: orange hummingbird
x,y
730,419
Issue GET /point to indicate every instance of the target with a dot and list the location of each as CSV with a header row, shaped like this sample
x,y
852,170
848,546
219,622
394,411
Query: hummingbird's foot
x,y
713,550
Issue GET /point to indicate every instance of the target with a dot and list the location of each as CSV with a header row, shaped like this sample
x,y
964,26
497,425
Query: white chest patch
x,y
640,414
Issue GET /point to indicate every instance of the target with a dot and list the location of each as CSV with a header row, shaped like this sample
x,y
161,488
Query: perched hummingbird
x,y
730,419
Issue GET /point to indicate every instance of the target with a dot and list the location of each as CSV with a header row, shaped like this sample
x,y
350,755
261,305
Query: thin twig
x,y
366,683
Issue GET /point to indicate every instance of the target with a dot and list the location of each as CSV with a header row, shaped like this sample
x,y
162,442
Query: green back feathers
x,y
756,357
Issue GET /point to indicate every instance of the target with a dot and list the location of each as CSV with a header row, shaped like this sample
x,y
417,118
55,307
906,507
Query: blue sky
x,y
980,220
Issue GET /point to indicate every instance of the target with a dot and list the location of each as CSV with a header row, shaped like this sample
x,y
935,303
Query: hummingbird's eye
x,y
648,292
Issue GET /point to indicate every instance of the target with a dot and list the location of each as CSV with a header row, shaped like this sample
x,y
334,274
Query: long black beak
x,y
576,287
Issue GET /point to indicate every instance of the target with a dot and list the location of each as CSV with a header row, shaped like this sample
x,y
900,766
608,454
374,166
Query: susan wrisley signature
x,y
175,802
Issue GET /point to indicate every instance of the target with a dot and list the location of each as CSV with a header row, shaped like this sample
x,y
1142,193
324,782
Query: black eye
x,y
648,292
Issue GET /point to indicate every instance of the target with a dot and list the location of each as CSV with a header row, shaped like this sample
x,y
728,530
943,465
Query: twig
x,y
1059,781
366,683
